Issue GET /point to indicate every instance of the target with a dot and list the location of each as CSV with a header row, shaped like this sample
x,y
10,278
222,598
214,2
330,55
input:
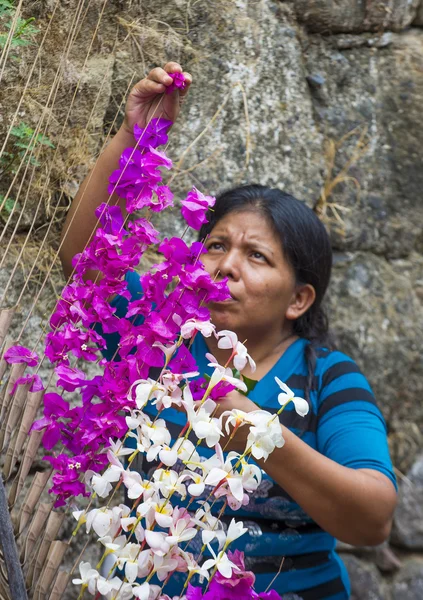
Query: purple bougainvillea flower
x,y
179,82
68,378
65,480
241,575
162,199
133,185
198,387
20,354
154,158
194,208
270,595
54,409
221,390
139,307
219,591
144,231
164,331
194,593
176,250
183,362
111,218
34,381
154,134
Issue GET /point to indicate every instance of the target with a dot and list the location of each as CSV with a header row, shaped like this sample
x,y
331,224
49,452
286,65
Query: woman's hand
x,y
234,400
147,99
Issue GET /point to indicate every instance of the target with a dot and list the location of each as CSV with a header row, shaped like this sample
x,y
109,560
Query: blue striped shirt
x,y
343,423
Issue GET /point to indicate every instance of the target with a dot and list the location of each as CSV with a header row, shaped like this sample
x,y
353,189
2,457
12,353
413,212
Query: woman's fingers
x,y
152,87
159,75
173,67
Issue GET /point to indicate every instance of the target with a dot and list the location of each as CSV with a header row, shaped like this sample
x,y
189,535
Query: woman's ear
x,y
302,299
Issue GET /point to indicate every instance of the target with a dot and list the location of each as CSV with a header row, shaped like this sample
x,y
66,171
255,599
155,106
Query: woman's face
x,y
245,249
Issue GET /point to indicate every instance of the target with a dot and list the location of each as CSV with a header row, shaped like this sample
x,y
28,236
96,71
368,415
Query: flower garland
x,y
149,536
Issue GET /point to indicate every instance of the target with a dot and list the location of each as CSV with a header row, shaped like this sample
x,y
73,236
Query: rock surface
x,y
366,581
355,16
408,585
408,524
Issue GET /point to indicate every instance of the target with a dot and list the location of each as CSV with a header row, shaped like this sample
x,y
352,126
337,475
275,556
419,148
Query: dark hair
x,y
305,245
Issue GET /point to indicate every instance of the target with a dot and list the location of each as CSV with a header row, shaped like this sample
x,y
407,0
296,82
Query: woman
x,y
333,477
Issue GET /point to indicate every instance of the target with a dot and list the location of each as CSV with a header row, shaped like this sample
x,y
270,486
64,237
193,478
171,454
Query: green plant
x,y
24,29
8,205
23,138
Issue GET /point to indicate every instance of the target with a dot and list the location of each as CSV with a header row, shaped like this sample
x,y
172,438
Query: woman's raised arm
x,y
146,101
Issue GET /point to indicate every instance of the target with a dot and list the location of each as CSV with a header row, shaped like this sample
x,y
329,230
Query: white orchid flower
x,y
105,586
242,357
193,567
167,350
102,484
180,532
191,326
157,432
127,559
89,577
142,591
168,456
197,487
301,405
143,392
163,513
163,565
222,374
251,476
221,562
145,562
118,448
235,530
204,426
157,542
235,417
100,520
134,484
169,482
229,341
210,525
187,453
265,435
233,479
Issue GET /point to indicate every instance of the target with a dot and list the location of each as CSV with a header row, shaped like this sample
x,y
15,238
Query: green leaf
x,y
44,140
8,205
250,383
6,8
23,145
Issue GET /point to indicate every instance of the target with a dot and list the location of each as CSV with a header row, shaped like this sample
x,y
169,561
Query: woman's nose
x,y
228,266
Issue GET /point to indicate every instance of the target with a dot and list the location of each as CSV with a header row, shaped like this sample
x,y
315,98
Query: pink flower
x,y
20,354
237,558
179,82
34,381
54,409
154,134
194,208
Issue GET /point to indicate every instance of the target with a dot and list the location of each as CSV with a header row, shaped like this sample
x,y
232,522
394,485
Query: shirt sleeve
x,y
351,429
121,304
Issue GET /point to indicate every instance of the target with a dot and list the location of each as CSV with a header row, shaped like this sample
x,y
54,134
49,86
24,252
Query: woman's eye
x,y
259,256
215,246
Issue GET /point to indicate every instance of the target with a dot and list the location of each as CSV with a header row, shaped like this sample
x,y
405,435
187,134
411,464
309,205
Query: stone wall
x,y
334,92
